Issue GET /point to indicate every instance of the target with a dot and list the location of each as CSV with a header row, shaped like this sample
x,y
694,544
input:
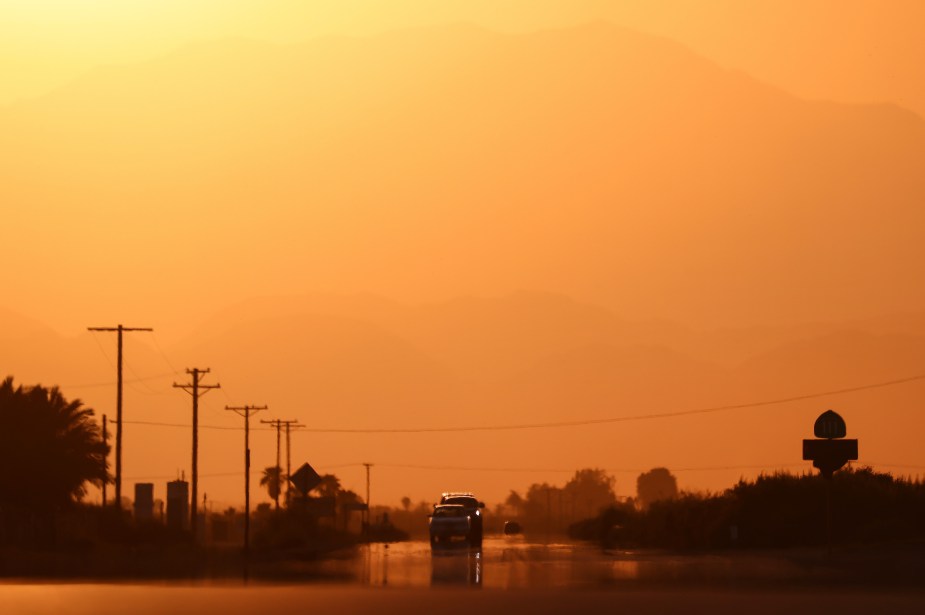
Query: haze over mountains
x,y
859,51
453,160
686,222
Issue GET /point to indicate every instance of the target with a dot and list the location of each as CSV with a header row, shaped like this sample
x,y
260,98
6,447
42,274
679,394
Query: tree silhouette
x,y
329,486
654,485
515,503
406,503
346,503
50,448
589,491
272,479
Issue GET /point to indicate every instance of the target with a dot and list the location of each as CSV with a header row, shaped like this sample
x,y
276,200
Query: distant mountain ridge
x,y
595,161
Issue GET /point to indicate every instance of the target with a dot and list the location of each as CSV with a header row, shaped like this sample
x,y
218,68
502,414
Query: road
x,y
513,563
505,576
502,563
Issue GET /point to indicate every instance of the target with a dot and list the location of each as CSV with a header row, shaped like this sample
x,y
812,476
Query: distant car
x,y
450,523
511,528
473,508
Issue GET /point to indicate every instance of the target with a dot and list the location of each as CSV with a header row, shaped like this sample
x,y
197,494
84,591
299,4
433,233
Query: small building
x,y
144,501
178,505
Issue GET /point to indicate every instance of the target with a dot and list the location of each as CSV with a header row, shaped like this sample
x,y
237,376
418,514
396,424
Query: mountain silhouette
x,y
615,167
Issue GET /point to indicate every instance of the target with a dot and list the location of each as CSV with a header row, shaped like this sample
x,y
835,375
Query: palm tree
x,y
50,448
329,486
272,479
56,440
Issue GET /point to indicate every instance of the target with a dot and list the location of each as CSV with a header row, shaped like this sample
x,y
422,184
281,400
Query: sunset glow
x,y
378,215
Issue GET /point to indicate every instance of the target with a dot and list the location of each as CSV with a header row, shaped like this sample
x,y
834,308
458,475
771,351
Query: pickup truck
x,y
473,508
450,523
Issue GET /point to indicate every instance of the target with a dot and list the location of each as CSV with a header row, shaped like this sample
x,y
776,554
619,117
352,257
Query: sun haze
x,y
388,219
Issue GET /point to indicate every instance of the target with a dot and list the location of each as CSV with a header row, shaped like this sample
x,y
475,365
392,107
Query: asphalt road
x,y
515,563
502,563
505,576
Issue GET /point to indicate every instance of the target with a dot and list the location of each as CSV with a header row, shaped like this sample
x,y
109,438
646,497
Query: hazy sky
x,y
165,159
844,51
852,50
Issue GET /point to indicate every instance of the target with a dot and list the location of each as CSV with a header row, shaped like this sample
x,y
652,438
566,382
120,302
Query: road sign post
x,y
829,452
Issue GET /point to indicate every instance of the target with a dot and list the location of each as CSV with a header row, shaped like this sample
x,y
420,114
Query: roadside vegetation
x,y
775,510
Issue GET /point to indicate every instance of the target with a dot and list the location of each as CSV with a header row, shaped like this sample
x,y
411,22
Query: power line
x,y
765,466
111,383
232,474
770,466
225,393
569,470
163,354
172,477
894,465
138,379
404,466
585,422
743,467
102,350
622,419
187,425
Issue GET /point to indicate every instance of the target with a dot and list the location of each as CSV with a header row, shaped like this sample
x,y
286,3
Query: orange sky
x,y
340,225
841,50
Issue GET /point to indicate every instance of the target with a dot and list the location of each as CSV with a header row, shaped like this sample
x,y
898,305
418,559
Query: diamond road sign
x,y
305,479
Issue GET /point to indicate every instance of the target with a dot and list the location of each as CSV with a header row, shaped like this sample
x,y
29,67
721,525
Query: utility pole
x,y
279,423
119,329
197,390
294,425
279,470
246,412
368,466
106,444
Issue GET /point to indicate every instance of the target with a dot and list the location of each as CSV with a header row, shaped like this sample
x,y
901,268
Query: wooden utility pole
x,y
246,412
278,423
368,510
119,329
197,390
296,425
106,444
